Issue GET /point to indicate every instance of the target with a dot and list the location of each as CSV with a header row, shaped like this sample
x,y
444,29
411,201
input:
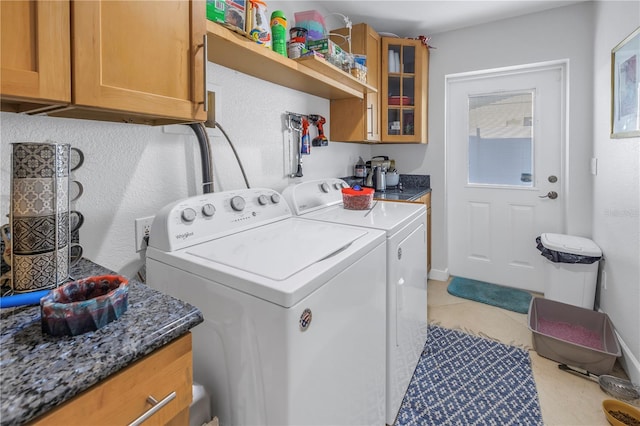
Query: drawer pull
x,y
156,407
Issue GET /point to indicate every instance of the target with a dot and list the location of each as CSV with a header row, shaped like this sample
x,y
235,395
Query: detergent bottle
x,y
279,32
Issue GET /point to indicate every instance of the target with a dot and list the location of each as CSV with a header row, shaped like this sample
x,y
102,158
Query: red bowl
x,y
396,100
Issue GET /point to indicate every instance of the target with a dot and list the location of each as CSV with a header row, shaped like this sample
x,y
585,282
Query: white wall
x,y
616,206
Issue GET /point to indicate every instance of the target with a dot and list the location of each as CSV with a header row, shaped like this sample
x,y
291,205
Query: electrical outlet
x,y
143,230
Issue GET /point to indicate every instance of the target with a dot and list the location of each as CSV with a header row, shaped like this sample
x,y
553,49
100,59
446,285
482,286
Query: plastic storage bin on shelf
x,y
314,23
571,268
572,335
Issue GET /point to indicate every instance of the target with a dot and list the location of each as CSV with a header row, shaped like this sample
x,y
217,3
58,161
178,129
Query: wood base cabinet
x,y
128,61
358,120
404,90
124,396
426,200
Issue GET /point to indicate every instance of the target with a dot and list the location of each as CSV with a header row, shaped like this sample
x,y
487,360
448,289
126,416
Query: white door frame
x,y
563,66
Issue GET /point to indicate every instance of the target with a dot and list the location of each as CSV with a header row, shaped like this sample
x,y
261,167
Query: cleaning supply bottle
x,y
279,32
305,145
260,27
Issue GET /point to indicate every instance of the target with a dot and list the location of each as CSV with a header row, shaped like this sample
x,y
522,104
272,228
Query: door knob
x,y
551,194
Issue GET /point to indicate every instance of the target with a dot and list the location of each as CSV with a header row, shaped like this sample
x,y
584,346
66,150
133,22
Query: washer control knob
x,y
238,203
188,214
208,210
263,200
337,186
275,198
324,187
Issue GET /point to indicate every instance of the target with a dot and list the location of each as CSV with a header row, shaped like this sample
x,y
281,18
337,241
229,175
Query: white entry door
x,y
505,137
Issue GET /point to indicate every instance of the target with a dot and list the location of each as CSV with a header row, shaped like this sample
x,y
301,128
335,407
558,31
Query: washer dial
x,y
208,210
238,203
188,214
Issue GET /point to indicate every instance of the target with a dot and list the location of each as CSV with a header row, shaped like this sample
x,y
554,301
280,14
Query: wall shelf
x,y
310,74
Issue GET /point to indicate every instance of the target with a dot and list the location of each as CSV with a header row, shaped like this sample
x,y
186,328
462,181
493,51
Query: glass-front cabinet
x,y
405,70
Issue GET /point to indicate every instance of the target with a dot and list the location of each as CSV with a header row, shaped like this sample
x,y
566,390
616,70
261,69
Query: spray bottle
x,y
305,145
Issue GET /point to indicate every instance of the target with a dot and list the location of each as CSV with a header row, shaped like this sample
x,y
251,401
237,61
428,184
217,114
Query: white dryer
x,y
294,310
406,282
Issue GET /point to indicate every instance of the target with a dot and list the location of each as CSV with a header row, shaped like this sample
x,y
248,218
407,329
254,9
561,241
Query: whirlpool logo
x,y
184,236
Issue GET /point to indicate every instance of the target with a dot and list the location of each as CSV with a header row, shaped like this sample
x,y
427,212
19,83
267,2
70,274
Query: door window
x,y
501,139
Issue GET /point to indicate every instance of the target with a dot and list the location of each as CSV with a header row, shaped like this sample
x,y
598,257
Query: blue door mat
x,y
495,295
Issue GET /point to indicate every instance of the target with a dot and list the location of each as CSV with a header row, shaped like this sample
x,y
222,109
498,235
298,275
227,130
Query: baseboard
x,y
629,362
439,275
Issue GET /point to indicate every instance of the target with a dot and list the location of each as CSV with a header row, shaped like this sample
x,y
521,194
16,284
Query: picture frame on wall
x,y
625,87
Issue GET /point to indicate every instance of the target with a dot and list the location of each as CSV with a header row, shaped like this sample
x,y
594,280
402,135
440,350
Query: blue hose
x,y
32,298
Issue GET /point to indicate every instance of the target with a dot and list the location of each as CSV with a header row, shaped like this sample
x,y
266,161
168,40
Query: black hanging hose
x,y
205,156
244,175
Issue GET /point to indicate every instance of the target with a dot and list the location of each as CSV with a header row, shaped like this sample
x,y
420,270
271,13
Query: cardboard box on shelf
x,y
230,13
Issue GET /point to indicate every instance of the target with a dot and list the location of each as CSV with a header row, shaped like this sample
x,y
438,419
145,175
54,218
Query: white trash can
x,y
571,268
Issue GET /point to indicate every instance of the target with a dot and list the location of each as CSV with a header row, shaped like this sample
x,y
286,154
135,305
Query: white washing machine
x,y
294,310
405,227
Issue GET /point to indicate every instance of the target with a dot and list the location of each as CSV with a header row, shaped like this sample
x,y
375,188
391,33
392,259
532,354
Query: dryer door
x,y
407,312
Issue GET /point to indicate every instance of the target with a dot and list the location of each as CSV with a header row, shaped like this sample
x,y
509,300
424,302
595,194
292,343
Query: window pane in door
x,y
501,139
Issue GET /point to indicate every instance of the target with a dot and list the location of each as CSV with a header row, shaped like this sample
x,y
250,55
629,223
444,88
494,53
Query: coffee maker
x,y
377,168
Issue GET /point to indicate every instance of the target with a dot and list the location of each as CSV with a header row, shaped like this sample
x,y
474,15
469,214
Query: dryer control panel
x,y
311,195
209,216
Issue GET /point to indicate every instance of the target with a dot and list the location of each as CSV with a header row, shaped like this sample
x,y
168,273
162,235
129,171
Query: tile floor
x,y
565,399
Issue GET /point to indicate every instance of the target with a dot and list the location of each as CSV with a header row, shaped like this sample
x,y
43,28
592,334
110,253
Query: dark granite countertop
x,y
39,372
411,187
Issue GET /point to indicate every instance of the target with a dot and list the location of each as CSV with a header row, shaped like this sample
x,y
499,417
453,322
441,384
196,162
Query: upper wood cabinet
x,y
358,120
404,90
131,61
35,67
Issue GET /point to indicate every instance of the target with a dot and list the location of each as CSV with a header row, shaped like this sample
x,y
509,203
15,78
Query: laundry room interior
x,y
274,211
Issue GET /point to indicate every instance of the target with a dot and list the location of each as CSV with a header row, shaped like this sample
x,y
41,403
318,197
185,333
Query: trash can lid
x,y
570,244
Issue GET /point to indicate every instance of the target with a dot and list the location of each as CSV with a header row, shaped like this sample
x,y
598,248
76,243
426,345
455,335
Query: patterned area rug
x,y
511,299
468,380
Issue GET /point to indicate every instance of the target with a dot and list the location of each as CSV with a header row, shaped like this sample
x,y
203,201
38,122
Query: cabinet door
x,y
405,68
140,56
35,69
358,120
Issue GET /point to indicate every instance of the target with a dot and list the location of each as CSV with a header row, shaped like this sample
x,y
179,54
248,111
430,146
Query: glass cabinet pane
x,y
394,121
407,121
394,58
408,60
394,87
408,91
